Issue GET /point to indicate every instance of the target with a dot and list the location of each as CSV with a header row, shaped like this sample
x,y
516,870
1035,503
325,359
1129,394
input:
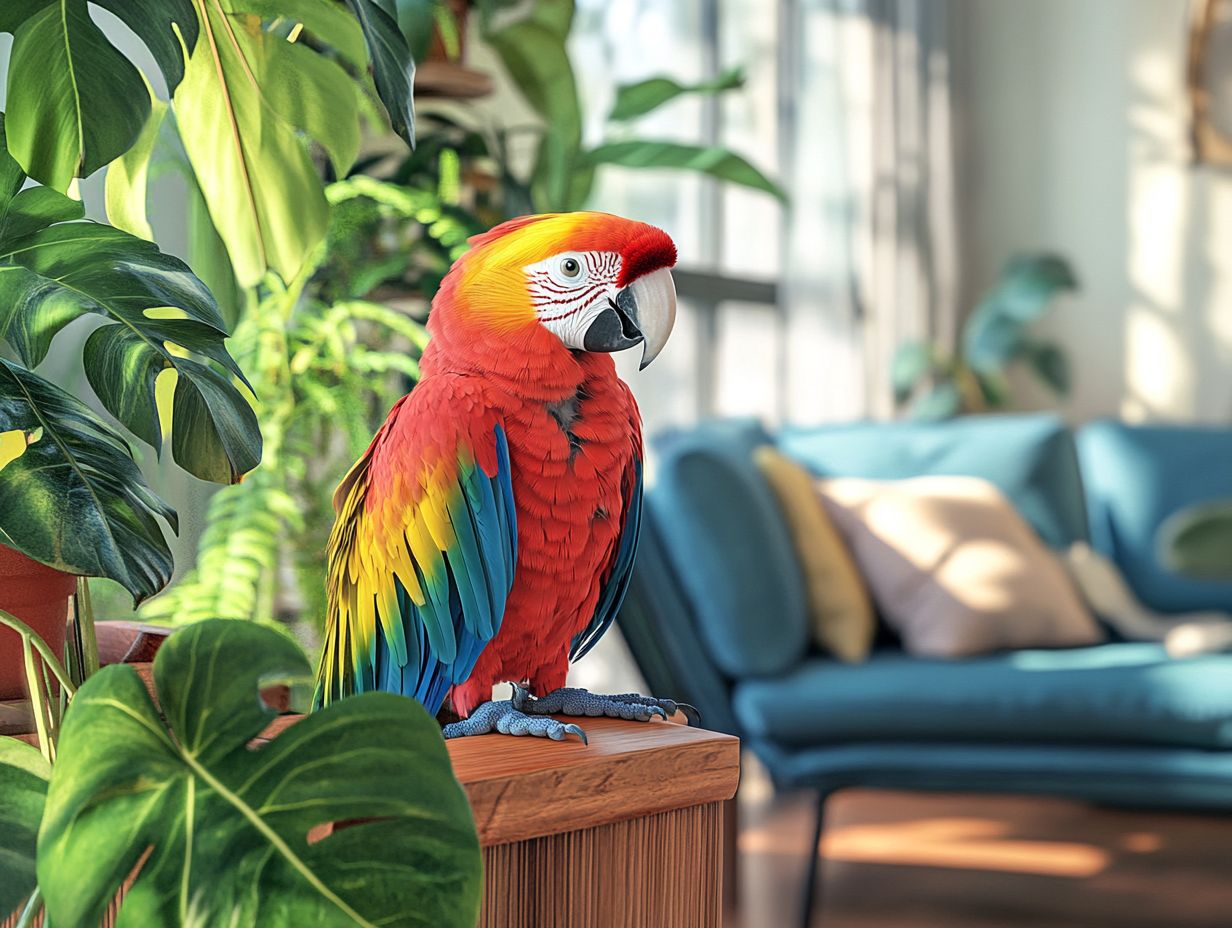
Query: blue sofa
x,y
715,615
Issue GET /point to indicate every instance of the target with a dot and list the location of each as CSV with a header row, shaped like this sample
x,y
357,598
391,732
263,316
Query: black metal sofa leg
x,y
813,881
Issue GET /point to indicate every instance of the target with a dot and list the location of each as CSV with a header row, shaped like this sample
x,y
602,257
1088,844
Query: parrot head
x,y
596,282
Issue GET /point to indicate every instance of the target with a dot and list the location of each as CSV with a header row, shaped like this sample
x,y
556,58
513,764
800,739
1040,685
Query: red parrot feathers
x,y
489,529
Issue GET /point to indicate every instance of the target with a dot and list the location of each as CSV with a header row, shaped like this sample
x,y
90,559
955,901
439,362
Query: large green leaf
x,y
51,273
712,160
128,177
633,100
247,95
226,825
537,60
1197,541
75,498
393,69
995,332
75,102
23,784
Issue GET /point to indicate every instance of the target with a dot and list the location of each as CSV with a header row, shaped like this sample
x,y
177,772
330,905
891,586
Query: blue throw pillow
x,y
730,549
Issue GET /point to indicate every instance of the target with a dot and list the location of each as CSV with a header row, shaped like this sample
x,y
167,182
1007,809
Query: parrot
x,y
488,532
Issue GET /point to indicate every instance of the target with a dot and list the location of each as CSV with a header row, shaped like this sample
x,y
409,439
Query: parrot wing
x,y
616,579
422,555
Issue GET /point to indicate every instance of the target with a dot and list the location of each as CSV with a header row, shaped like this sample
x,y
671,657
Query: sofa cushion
x,y
730,548
1131,774
840,608
1138,476
1111,694
954,568
1030,458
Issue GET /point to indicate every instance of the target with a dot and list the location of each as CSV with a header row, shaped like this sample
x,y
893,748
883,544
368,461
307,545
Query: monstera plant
x,y
72,498
219,832
255,90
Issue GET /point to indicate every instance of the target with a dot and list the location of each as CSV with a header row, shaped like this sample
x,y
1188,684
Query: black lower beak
x,y
615,329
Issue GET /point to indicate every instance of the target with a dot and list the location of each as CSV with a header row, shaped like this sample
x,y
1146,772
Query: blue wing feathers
x,y
613,593
443,638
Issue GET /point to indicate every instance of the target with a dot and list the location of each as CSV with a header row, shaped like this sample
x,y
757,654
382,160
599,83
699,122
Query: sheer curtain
x,y
871,246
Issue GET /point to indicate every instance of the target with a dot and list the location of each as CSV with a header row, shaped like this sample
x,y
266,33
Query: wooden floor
x,y
903,860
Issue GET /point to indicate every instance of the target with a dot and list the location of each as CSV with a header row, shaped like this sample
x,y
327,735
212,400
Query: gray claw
x,y
691,715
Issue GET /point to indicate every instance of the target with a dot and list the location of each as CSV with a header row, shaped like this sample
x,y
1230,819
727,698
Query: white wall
x,y
1076,136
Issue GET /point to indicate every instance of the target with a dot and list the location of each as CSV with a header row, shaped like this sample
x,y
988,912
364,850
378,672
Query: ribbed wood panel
x,y
661,870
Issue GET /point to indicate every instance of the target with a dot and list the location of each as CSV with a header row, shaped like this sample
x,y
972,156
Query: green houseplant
x,y
226,825
934,383
75,104
71,495
393,232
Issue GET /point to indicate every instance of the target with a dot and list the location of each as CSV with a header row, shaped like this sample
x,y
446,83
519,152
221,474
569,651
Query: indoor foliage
x,y
935,383
327,360
71,494
249,82
323,386
220,818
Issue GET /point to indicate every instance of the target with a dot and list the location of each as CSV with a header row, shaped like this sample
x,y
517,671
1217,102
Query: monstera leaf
x,y
247,95
23,784
225,825
75,102
53,271
73,497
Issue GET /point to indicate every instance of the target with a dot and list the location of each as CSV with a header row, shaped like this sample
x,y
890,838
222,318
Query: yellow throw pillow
x,y
840,610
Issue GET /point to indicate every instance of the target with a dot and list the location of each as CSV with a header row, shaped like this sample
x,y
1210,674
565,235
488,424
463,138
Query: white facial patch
x,y
570,289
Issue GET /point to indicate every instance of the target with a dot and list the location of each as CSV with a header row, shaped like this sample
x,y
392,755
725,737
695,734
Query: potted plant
x,y
933,382
73,501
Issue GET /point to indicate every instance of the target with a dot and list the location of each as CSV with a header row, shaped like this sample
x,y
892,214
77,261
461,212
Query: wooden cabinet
x,y
626,832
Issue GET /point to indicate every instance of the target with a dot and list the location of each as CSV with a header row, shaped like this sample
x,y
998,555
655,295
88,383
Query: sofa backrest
x,y
1031,458
1138,476
728,545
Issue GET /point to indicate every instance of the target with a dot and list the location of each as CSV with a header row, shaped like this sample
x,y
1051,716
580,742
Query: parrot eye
x,y
569,270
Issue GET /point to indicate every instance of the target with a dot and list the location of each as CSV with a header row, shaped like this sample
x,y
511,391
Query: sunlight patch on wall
x,y
1158,371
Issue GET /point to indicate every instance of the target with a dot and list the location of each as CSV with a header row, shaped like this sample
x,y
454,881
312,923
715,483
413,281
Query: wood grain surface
x,y
529,788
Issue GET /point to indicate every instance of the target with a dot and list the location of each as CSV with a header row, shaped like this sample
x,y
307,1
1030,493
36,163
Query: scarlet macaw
x,y
488,532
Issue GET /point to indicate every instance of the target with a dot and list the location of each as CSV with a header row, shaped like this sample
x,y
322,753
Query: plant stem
x,y
39,645
33,906
37,705
85,621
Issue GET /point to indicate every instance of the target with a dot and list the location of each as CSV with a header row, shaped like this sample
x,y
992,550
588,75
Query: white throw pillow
x,y
953,567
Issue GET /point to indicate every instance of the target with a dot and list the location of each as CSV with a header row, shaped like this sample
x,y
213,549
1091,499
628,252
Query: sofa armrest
x,y
660,628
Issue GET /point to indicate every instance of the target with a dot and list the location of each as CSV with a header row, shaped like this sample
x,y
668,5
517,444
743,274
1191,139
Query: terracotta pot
x,y
39,596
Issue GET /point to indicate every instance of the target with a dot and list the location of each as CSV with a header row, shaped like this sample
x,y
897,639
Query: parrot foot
x,y
579,702
503,717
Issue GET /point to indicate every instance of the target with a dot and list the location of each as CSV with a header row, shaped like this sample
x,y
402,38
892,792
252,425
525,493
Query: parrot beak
x,y
643,312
